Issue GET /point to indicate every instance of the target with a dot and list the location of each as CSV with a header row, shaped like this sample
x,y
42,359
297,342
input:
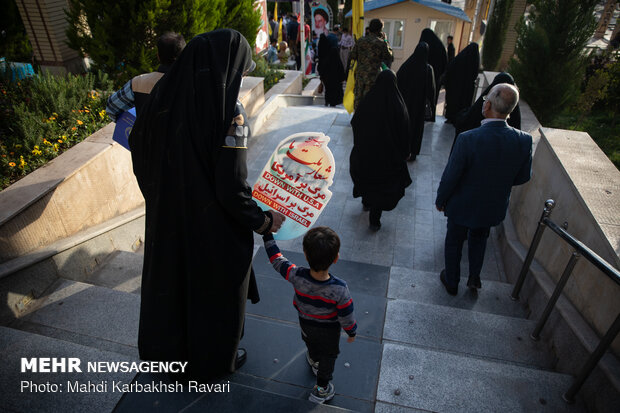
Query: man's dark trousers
x,y
477,242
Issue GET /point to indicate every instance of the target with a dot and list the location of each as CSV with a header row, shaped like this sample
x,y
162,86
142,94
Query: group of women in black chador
x,y
388,125
188,148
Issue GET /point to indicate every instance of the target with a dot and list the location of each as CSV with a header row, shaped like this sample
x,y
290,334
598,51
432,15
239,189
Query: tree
x,y
550,61
496,34
241,16
120,38
14,44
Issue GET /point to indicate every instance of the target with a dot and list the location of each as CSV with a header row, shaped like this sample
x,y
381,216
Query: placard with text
x,y
295,182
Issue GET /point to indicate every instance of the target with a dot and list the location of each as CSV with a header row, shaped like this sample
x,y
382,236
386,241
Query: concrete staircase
x,y
418,349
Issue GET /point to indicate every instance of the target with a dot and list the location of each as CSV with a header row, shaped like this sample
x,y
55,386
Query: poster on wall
x,y
262,37
322,17
295,182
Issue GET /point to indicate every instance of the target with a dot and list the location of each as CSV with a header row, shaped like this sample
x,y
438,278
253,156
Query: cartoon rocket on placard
x,y
295,182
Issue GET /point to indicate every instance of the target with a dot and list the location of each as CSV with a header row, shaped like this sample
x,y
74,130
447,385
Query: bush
x,y
42,116
100,29
271,74
496,34
14,44
550,63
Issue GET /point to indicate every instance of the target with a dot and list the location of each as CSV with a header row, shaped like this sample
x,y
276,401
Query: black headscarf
x,y
416,84
330,69
199,212
437,57
471,118
378,164
460,80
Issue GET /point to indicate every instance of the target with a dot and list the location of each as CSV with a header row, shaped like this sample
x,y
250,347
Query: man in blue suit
x,y
476,183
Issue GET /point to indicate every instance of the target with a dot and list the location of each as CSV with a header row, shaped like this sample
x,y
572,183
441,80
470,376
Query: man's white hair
x,y
503,97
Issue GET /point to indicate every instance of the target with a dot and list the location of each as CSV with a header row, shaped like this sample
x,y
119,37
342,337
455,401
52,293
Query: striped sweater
x,y
317,302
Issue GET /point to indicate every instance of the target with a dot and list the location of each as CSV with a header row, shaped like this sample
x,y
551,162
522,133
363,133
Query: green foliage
x,y
596,90
42,116
601,126
270,74
496,34
550,63
14,44
241,16
121,37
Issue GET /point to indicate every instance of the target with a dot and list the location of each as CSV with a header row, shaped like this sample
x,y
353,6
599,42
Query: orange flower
x,y
86,110
60,141
11,153
11,164
73,128
3,155
79,122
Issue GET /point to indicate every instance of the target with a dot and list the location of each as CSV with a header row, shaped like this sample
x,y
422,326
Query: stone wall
x,y
572,170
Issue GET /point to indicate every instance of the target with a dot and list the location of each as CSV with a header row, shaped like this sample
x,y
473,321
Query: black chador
x,y
417,86
471,118
460,81
200,215
438,58
380,147
330,69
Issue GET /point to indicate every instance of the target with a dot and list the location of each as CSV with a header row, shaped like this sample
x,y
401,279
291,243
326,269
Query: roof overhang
x,y
433,4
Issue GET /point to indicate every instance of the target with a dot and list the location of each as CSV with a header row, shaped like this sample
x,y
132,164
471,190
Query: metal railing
x,y
580,251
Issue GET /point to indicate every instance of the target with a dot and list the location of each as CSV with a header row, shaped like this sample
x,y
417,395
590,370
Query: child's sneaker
x,y
314,365
322,394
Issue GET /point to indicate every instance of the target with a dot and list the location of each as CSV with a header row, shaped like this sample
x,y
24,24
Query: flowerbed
x,y
43,116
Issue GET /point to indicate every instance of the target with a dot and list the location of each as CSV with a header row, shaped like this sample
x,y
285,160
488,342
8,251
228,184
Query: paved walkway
x,y
417,348
412,235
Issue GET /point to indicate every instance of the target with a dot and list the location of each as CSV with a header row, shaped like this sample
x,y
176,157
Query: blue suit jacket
x,y
484,165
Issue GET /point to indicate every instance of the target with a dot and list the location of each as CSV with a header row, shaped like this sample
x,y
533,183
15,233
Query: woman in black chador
x,y
460,81
380,146
330,69
417,86
190,163
438,58
470,118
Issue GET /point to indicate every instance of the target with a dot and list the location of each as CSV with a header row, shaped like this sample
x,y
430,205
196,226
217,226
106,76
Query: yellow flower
x,y
102,113
64,136
22,162
36,146
36,152
11,164
55,147
86,110
18,146
46,142
79,122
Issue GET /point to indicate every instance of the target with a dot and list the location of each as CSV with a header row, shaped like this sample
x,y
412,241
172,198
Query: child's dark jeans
x,y
323,345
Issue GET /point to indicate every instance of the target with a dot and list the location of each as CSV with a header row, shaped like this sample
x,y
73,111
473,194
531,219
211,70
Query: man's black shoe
x,y
450,290
474,283
242,356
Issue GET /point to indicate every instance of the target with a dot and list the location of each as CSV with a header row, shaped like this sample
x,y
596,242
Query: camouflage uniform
x,y
369,51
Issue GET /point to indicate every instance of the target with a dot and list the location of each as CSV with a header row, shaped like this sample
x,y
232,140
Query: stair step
x,y
463,331
234,397
425,287
102,315
444,382
121,272
15,344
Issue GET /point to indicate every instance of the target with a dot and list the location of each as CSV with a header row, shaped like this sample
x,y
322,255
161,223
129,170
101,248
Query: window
x,y
395,30
442,28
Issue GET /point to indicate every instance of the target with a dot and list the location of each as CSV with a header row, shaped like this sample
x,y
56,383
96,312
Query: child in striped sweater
x,y
323,302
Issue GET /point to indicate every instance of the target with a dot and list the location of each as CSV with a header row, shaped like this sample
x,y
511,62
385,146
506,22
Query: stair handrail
x,y
580,250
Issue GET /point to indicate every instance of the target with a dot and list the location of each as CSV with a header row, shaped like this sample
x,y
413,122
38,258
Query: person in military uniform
x,y
370,52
